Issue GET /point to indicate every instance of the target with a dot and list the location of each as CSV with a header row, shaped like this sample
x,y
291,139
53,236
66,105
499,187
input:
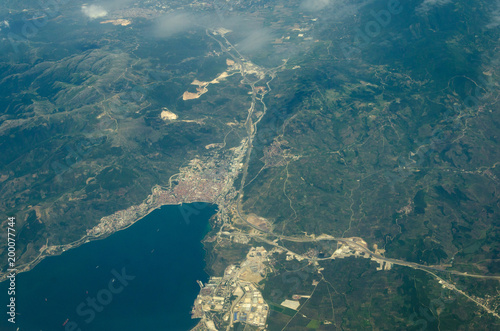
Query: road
x,y
251,128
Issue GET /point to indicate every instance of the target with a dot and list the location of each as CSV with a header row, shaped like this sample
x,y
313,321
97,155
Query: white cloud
x,y
94,11
495,17
177,22
429,4
315,5
256,39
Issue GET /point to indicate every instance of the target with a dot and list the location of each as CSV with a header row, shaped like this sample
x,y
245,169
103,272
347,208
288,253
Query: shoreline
x,y
60,249
195,184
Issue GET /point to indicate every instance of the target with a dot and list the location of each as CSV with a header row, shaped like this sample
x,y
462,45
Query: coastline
x,y
195,183
148,252
59,249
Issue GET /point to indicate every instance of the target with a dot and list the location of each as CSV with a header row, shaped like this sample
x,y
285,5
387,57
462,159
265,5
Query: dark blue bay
x,y
162,251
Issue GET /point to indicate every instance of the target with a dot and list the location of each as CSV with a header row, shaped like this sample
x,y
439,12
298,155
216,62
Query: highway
x,y
251,128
